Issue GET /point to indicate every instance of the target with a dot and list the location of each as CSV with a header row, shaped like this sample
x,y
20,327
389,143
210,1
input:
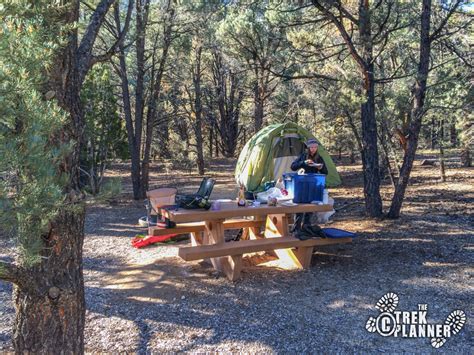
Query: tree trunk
x,y
466,159
91,151
352,157
467,142
134,125
164,137
211,134
133,142
383,139
387,163
44,311
441,131
434,133
453,135
258,114
198,111
370,155
364,60
418,95
355,131
228,100
152,107
258,104
50,310
141,21
50,313
442,170
50,318
133,145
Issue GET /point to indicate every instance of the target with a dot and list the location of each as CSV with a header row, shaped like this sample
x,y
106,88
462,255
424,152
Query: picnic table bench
x,y
207,234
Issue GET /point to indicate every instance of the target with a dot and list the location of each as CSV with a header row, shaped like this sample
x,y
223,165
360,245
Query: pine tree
x,y
43,66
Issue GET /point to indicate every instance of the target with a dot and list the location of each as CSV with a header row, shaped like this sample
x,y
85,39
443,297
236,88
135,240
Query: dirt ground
x,y
149,300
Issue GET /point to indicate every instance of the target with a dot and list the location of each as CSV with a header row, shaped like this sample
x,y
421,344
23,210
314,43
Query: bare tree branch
x,y
307,76
443,23
121,37
16,275
454,50
302,23
384,22
346,13
339,25
83,52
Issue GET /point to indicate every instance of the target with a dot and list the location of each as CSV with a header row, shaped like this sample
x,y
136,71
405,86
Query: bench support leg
x,y
276,227
231,266
303,257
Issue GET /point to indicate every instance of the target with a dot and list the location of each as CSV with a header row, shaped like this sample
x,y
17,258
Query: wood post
x,y
196,238
303,256
276,227
254,232
231,266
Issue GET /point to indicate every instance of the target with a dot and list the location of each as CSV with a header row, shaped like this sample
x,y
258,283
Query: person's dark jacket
x,y
300,163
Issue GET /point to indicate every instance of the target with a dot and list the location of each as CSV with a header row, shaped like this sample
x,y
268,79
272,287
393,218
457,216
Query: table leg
x,y
276,226
245,234
254,232
196,238
231,266
200,238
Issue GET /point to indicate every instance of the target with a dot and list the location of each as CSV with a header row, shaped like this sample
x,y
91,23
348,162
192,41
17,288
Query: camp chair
x,y
198,200
205,189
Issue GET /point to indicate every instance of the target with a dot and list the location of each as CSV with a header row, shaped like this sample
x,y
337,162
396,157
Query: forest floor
x,y
149,300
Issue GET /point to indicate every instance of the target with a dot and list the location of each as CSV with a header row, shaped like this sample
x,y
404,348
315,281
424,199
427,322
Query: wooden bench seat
x,y
196,227
252,246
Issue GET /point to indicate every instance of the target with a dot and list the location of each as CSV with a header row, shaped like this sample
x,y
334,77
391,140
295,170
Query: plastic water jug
x,y
325,196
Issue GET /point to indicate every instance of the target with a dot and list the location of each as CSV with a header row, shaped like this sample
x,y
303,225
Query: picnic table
x,y
208,242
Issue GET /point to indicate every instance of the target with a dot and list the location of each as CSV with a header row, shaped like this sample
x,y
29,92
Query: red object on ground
x,y
139,242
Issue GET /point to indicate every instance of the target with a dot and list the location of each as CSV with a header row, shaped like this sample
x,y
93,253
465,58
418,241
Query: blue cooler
x,y
305,188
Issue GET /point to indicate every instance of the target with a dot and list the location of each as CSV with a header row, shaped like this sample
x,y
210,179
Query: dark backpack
x,y
192,202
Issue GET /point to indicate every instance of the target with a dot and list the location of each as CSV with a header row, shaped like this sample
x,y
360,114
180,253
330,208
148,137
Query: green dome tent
x,y
270,152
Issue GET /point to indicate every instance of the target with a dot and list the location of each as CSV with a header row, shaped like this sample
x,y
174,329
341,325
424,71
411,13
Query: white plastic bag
x,y
273,192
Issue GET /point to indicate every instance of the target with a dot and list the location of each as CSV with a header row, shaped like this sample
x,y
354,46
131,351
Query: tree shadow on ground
x,y
170,305
186,303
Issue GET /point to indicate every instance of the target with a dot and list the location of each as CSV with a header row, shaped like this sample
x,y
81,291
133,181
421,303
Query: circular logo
x,y
386,324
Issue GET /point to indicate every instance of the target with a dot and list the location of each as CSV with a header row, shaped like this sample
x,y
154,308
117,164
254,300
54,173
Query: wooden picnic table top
x,y
231,210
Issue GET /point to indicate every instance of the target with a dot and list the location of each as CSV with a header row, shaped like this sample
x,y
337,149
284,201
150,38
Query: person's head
x,y
312,145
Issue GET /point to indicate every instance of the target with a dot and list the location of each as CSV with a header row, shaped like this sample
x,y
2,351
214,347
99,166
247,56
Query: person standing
x,y
310,160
